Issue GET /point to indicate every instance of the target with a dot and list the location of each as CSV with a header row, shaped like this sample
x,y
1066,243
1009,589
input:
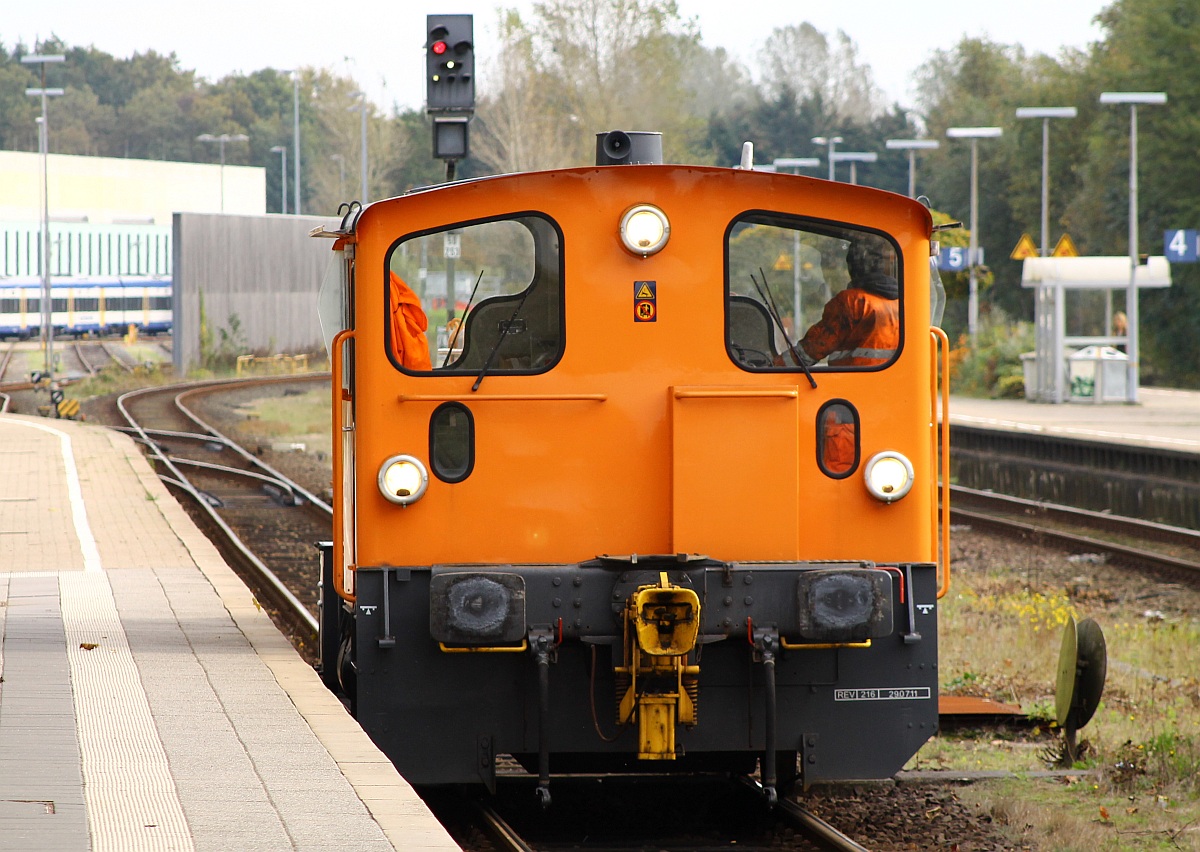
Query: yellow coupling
x,y
662,623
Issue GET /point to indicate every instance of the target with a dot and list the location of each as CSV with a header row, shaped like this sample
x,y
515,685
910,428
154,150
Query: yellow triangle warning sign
x,y
1025,248
1065,247
783,262
645,292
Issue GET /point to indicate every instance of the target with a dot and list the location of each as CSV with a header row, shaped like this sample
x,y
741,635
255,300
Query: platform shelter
x,y
1053,278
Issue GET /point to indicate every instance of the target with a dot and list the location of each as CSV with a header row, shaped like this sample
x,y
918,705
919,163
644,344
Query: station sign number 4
x,y
1181,246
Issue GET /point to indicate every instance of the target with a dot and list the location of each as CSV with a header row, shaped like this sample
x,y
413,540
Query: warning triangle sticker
x,y
1025,248
644,292
1065,247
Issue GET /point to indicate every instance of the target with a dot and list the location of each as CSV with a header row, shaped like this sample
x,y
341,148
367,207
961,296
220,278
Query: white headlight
x,y
644,229
403,479
888,475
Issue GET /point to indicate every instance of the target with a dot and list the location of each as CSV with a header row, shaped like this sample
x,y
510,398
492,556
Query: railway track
x,y
614,812
5,360
265,524
1165,550
94,355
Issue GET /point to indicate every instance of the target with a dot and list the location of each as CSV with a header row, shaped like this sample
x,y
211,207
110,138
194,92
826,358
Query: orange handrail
x,y
339,521
937,336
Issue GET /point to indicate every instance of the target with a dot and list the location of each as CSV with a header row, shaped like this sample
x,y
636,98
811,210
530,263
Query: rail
x,y
176,477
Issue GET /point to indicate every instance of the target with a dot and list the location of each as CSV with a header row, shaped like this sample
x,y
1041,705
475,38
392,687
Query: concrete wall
x,y
265,270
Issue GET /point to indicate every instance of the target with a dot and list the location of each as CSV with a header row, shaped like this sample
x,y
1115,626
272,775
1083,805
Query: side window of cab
x,y
475,295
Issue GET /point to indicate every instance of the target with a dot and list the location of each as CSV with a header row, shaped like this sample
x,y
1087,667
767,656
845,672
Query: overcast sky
x,y
381,44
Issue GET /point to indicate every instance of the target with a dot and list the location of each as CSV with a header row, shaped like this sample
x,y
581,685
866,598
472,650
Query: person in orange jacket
x,y
409,344
860,326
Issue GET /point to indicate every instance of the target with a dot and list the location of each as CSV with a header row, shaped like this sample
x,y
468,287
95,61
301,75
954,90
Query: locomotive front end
x,y
613,491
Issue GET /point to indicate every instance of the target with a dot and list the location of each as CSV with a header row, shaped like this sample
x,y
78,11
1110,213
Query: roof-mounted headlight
x,y
403,479
644,229
888,475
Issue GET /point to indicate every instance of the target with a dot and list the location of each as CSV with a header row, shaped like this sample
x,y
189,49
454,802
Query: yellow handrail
x,y
485,649
502,397
821,646
737,393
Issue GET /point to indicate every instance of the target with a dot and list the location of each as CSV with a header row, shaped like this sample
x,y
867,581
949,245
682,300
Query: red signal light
x,y
439,47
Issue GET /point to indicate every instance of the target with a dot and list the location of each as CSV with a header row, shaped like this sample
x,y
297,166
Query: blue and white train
x,y
91,305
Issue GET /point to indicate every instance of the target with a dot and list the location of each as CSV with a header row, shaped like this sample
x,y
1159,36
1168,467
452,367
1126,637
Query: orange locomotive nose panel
x,y
720,489
603,446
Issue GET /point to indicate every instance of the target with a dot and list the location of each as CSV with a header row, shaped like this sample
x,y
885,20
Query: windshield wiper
x,y
774,312
504,329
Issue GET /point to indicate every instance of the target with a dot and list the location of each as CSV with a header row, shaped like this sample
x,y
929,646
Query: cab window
x,y
821,294
837,439
477,296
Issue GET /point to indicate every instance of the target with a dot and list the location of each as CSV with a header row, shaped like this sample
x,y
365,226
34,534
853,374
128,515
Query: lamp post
x,y
341,161
974,134
1131,298
912,146
282,151
44,150
796,163
362,108
1045,114
853,158
296,137
831,142
222,139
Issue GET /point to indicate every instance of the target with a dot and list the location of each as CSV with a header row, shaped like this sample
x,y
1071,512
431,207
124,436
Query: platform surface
x,y
1166,419
146,702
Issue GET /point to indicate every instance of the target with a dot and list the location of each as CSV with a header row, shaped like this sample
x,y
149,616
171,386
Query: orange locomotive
x,y
596,507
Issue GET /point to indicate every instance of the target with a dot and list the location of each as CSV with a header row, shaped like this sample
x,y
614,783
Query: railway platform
x,y
146,702
1162,418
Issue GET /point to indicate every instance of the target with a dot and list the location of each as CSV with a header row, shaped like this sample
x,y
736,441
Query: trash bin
x,y
1098,374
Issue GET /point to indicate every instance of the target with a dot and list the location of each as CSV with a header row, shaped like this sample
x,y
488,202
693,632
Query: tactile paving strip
x,y
131,798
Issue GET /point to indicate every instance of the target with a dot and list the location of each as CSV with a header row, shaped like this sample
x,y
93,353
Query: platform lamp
x,y
853,158
362,108
43,59
221,140
1045,114
974,134
912,146
1131,299
296,138
831,142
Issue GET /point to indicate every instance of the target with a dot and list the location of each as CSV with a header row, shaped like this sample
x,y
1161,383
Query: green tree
x,y
1151,45
981,83
589,66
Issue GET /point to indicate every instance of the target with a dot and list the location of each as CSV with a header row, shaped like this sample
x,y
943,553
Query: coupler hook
x,y
766,644
542,645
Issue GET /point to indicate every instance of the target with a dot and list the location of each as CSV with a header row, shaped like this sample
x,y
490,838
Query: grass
x,y
1137,785
302,417
114,379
